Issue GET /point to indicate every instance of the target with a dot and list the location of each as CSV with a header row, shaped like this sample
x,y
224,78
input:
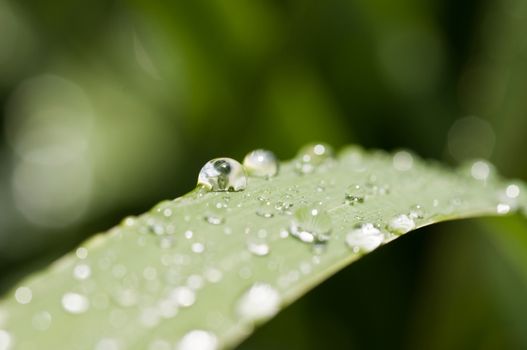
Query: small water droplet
x,y
183,296
214,219
198,340
82,253
195,282
311,224
312,156
23,295
213,275
512,191
198,247
261,163
222,174
81,271
480,170
260,302
188,234
258,247
403,161
416,212
364,238
355,194
75,303
265,210
401,224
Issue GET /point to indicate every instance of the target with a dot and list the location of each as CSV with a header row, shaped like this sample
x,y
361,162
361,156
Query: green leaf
x,y
188,264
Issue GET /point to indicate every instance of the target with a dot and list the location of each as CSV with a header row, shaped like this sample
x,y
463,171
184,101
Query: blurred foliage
x,y
110,106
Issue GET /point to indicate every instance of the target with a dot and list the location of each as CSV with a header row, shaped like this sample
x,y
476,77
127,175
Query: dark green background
x,y
153,89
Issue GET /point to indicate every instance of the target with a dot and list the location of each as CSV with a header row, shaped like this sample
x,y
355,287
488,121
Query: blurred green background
x,y
108,107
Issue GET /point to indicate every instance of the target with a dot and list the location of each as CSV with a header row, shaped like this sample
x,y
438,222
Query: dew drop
x,y
198,248
364,238
81,271
480,170
311,225
512,191
183,296
260,302
258,248
403,161
222,174
416,212
355,194
198,340
75,303
261,163
312,156
23,295
401,224
82,253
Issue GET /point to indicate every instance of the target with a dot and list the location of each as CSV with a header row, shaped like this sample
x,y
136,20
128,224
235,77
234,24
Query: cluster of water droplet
x,y
227,174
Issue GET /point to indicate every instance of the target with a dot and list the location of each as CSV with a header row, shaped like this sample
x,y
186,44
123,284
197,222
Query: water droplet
x,y
512,191
416,212
5,340
480,170
214,219
198,248
198,340
503,208
213,275
81,271
311,225
261,163
312,156
41,321
82,253
183,296
283,207
364,238
401,224
23,295
403,161
258,247
195,282
222,174
355,194
75,303
265,210
260,302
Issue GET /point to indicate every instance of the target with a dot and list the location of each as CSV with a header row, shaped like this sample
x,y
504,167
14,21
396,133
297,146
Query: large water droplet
x,y
312,156
198,340
480,170
75,303
311,225
401,224
222,174
512,191
260,302
261,163
364,238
